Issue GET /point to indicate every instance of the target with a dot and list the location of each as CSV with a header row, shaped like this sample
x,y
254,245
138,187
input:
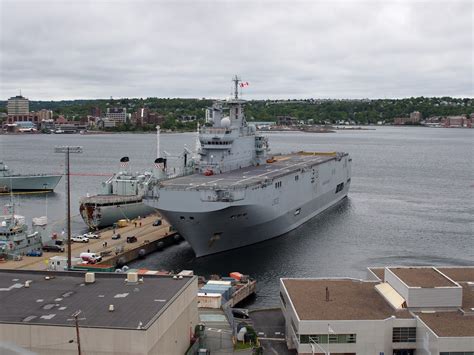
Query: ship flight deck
x,y
282,165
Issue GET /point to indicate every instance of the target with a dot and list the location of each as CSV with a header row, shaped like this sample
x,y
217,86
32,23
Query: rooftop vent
x,y
27,283
111,308
90,277
132,277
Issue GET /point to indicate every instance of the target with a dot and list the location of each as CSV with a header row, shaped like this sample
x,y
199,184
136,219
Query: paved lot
x,y
270,327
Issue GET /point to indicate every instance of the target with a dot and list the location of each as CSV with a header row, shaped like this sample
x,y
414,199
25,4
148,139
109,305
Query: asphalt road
x,y
270,327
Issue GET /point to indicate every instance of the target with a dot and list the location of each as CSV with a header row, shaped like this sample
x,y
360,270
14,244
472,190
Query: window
x,y
323,338
297,177
404,335
340,187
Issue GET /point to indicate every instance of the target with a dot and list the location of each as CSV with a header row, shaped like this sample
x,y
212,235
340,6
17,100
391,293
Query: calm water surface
x,y
410,203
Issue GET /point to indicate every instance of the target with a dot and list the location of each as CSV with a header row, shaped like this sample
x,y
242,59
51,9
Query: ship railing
x,y
214,130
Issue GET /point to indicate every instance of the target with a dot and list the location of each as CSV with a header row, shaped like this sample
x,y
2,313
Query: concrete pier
x,y
149,239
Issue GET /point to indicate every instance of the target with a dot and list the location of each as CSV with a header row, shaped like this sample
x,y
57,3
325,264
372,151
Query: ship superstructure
x,y
15,238
121,197
240,196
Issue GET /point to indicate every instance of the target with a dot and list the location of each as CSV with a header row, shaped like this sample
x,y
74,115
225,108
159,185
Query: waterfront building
x,y
416,117
117,114
44,115
18,105
397,310
287,121
95,111
102,123
120,314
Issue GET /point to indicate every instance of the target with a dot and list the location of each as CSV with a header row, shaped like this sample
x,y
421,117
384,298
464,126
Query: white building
x,y
120,314
399,311
18,105
117,115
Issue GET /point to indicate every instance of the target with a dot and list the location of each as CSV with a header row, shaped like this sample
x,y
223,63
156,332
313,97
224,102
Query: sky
x,y
58,49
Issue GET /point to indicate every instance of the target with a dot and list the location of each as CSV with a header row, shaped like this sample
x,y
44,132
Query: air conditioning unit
x,y
132,277
90,277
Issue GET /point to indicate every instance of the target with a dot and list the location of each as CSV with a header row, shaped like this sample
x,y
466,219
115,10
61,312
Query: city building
x,y
117,114
416,117
287,121
18,105
116,313
397,310
460,121
102,123
95,111
44,115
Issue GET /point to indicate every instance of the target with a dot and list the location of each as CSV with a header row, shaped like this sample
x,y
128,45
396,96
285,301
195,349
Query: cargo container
x,y
209,300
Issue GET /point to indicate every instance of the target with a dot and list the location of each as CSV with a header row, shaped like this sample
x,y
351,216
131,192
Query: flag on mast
x,y
244,84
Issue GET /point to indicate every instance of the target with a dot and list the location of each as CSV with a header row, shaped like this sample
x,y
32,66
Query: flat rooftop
x,y
449,324
51,302
378,271
284,164
459,274
348,300
427,277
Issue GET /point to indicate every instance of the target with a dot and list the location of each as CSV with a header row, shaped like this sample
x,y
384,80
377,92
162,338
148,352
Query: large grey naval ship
x,y
9,181
239,194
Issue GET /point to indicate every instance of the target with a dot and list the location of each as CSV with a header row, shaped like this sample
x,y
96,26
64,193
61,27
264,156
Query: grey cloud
x,y
285,49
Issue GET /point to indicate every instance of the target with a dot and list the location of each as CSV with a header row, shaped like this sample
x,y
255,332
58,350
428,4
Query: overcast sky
x,y
285,49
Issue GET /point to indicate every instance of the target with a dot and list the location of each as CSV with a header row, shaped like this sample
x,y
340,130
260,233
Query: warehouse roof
x,y
458,274
427,277
53,301
449,324
348,299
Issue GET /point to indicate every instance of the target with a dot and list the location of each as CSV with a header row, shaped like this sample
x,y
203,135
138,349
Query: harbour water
x,y
411,201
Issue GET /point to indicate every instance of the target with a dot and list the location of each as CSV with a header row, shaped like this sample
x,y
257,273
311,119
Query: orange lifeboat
x,y
208,172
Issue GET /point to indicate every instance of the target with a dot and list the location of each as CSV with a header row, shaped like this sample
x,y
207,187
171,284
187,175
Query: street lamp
x,y
67,150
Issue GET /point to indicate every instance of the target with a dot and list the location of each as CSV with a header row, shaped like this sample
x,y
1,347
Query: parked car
x,y
157,223
116,236
131,239
80,239
91,235
91,257
34,253
53,248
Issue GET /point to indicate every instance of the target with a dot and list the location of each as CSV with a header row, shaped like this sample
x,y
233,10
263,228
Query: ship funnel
x,y
124,162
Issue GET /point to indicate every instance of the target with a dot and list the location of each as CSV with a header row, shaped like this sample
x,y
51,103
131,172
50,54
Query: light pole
x,y
67,150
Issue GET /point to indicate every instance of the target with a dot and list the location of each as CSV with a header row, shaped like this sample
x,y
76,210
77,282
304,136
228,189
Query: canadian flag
x,y
244,84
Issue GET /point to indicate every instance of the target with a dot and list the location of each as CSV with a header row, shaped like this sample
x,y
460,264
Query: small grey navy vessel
x,y
121,197
15,239
10,181
238,195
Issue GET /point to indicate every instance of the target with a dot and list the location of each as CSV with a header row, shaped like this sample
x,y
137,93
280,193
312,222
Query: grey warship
x,y
238,194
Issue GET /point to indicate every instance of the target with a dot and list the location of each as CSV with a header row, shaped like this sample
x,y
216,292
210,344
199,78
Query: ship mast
x,y
236,80
158,155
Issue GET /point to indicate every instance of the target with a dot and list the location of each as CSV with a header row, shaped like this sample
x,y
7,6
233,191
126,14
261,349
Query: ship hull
x,y
96,216
236,215
30,183
260,224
